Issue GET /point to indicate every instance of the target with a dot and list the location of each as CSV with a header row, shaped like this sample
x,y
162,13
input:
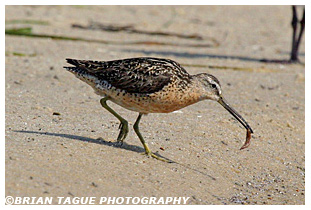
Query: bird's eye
x,y
214,86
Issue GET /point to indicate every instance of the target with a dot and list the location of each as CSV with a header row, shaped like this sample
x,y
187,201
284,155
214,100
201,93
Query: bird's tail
x,y
80,70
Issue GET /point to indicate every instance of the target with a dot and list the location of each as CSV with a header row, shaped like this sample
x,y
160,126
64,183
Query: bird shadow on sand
x,y
99,140
206,55
102,141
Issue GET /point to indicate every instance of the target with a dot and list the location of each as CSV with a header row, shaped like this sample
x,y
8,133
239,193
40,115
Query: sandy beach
x,y
53,121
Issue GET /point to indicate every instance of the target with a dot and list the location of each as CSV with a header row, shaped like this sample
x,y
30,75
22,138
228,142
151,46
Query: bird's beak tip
x,y
223,102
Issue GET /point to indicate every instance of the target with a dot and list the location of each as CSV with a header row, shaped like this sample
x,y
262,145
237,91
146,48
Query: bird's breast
x,y
164,101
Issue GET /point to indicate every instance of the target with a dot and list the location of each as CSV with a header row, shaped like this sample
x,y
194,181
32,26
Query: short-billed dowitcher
x,y
149,85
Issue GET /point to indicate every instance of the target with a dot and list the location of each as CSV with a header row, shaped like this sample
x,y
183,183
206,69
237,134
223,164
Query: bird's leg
x,y
296,42
293,56
123,123
147,150
302,28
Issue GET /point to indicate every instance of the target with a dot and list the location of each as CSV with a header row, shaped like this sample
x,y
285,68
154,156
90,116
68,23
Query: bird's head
x,y
210,85
212,90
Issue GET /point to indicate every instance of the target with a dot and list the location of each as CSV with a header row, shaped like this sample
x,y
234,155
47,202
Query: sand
x,y
53,120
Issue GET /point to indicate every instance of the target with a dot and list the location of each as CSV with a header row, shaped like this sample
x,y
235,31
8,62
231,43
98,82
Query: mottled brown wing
x,y
135,75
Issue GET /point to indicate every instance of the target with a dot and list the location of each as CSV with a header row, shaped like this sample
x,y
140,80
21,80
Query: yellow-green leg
x,y
123,123
147,150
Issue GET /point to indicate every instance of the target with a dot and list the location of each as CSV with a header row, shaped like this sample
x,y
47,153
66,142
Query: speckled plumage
x,y
145,85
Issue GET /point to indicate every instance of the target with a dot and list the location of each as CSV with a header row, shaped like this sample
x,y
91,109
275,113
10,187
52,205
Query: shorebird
x,y
149,85
296,40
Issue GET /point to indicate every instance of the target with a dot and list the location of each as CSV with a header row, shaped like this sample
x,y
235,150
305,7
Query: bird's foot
x,y
124,129
150,154
119,144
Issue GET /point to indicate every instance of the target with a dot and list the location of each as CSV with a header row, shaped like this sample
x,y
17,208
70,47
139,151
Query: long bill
x,y
225,104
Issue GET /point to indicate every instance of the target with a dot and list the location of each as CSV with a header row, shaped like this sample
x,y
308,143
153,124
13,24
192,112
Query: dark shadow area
x,y
102,141
205,55
281,61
